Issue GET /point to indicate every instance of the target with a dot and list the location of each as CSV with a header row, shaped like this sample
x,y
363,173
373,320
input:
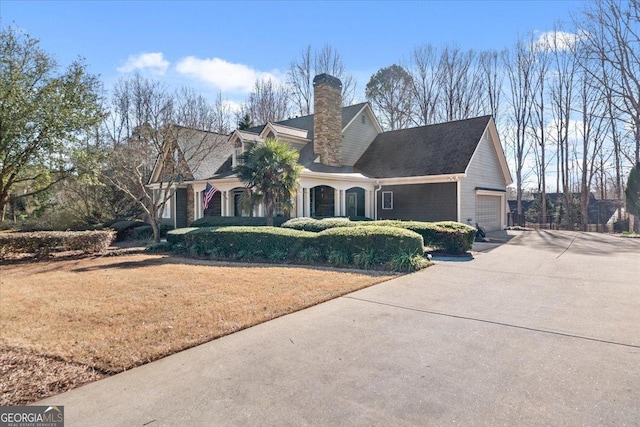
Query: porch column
x,y
306,207
337,200
343,202
299,202
226,211
367,203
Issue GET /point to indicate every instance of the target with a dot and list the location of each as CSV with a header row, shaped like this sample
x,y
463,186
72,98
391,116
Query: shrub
x,y
408,262
241,221
158,248
41,243
339,258
177,236
278,255
145,232
317,225
308,254
124,228
384,241
261,240
449,236
366,259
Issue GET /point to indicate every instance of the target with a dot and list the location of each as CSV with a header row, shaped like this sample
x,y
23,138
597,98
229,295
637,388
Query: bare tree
x,y
611,34
268,102
461,84
519,65
311,63
154,129
539,122
300,81
562,85
424,71
489,63
390,93
592,130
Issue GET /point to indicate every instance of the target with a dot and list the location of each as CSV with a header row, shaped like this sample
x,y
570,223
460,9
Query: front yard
x,y
68,322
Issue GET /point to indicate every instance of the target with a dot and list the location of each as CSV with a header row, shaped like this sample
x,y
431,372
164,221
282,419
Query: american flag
x,y
208,195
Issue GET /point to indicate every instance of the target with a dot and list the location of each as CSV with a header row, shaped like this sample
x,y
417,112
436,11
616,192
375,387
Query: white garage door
x,y
488,212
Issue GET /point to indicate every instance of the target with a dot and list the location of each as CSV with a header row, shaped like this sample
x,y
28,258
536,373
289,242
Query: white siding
x,y
484,171
356,138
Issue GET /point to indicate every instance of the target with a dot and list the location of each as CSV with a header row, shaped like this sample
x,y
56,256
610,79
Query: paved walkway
x,y
542,330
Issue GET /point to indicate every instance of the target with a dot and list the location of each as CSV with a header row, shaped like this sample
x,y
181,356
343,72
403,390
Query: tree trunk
x,y
269,206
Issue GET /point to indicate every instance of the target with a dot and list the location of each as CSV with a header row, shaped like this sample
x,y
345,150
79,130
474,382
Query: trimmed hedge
x,y
42,243
240,221
449,236
384,242
177,237
318,225
247,242
363,247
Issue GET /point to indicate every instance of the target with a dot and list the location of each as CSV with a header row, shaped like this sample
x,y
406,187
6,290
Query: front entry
x,y
352,204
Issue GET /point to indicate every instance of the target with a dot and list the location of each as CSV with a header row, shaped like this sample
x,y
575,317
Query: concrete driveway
x,y
542,330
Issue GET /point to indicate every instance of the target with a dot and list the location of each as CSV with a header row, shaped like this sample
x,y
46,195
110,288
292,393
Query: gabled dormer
x,y
241,141
297,137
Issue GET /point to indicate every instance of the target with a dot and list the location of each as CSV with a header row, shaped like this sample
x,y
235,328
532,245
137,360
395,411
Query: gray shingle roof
x,y
206,153
439,149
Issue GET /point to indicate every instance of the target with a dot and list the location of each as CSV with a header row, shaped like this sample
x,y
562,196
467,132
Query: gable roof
x,y
439,149
205,153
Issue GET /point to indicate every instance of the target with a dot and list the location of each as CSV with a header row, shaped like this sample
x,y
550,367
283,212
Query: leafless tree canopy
x,y
311,63
268,102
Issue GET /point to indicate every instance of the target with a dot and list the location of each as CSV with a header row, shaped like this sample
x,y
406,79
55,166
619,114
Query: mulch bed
x,y
27,378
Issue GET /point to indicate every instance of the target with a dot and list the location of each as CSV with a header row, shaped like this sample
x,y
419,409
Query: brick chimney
x,y
327,119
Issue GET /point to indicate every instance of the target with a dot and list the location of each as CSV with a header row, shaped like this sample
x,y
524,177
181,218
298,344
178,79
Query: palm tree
x,y
270,170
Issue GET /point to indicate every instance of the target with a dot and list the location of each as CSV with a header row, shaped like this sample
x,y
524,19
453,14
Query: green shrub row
x,y
449,236
363,247
228,221
42,243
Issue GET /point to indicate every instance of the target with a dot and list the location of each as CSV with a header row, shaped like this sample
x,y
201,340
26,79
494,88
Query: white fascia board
x,y
429,179
350,177
283,136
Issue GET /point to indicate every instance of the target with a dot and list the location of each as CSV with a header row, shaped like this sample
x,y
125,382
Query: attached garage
x,y
489,212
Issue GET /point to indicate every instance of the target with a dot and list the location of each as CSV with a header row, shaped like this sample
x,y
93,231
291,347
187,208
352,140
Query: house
x,y
450,171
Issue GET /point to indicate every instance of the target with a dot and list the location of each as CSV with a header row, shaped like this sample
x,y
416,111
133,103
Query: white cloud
x,y
556,40
153,61
233,106
225,75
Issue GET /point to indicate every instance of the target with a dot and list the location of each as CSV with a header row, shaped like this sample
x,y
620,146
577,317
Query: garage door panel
x,y
488,212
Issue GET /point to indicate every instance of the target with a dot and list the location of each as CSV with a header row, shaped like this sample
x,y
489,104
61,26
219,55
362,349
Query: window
x,y
166,212
387,200
364,119
238,149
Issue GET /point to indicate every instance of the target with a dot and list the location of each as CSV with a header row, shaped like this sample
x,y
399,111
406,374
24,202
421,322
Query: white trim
x,y
421,179
287,137
503,203
459,200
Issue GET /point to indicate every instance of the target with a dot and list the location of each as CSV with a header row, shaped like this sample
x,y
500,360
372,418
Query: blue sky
x,y
225,45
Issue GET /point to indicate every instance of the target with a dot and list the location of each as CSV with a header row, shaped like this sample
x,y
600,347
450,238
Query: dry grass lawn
x,y
109,314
